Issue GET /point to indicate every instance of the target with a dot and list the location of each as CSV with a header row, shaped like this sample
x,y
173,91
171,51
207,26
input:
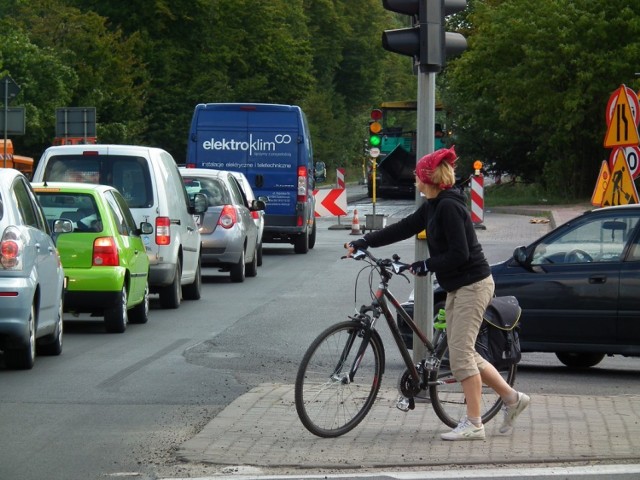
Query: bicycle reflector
x,y
375,128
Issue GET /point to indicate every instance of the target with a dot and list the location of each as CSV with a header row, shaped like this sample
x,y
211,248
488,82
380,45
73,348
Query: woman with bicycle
x,y
458,262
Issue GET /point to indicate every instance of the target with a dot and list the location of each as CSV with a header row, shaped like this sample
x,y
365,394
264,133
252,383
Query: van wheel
x,y
115,318
301,243
251,268
312,237
171,295
193,290
237,271
23,358
140,313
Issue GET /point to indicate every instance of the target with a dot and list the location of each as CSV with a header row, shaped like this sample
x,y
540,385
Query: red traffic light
x,y
376,114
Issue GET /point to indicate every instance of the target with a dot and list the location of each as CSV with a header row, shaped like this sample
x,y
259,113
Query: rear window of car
x,y
214,189
129,174
79,208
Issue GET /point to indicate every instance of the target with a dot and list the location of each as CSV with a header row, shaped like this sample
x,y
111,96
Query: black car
x,y
579,287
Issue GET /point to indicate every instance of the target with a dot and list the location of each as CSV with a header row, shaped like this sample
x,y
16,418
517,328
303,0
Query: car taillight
x,y
105,252
11,248
163,230
302,184
255,215
228,217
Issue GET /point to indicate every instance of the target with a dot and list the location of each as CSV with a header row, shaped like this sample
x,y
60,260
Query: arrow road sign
x,y
331,203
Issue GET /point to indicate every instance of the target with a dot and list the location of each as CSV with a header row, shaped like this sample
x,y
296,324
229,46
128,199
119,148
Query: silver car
x,y
228,232
258,215
31,276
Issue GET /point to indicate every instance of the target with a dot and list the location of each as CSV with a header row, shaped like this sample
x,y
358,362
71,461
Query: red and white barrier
x,y
477,200
340,178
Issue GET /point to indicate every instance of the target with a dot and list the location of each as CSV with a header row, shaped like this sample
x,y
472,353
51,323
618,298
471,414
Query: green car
x,y
103,257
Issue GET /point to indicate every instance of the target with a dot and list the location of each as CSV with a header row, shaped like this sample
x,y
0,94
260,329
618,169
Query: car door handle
x,y
191,229
596,279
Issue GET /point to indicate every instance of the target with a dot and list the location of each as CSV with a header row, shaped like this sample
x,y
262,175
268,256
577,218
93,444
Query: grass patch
x,y
515,193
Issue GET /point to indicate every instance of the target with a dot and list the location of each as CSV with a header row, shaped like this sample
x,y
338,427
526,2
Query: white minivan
x,y
149,180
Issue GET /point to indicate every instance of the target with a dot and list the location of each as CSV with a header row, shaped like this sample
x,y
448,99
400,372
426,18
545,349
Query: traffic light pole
x,y
425,142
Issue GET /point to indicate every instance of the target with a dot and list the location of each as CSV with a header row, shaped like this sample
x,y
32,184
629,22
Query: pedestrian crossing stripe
x,y
601,184
620,190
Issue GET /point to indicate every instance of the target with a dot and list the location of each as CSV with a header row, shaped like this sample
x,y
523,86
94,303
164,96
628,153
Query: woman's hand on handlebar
x,y
355,245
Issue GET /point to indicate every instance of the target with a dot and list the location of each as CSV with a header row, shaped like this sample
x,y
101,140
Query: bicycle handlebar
x,y
397,267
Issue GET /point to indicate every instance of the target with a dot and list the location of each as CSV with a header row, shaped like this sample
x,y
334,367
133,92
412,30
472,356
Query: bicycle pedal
x,y
405,404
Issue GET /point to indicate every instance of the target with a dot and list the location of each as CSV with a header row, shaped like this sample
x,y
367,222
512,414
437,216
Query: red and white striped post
x,y
340,179
477,196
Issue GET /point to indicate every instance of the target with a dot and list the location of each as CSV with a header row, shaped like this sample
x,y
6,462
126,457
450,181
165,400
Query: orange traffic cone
x,y
355,224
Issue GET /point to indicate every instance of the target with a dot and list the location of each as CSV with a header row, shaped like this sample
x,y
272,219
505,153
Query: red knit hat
x,y
427,164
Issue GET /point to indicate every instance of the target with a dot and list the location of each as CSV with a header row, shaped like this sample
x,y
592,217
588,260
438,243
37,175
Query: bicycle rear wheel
x,y
330,399
448,399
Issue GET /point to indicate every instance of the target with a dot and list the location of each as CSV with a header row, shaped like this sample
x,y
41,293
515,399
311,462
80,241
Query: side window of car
x,y
237,193
125,212
121,223
26,206
598,240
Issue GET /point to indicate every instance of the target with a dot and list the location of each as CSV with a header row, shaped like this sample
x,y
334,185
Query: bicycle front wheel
x,y
338,379
448,399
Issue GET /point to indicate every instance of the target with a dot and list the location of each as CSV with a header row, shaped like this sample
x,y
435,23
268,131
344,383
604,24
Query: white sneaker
x,y
511,412
465,431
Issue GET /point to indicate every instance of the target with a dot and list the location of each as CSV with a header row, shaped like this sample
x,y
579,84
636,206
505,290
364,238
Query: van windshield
x,y
129,174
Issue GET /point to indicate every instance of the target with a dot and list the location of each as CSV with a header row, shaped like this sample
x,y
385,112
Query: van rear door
x,y
261,141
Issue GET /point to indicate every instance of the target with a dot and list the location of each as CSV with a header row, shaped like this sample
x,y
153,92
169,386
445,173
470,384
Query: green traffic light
x,y
375,140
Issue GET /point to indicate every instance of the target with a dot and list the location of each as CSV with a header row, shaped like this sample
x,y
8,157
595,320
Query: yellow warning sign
x,y
620,190
601,184
622,129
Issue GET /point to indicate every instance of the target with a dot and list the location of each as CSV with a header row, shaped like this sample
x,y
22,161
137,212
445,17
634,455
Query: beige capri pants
x,y
465,307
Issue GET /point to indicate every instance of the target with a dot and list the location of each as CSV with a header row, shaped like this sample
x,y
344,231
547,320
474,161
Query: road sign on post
x,y
622,113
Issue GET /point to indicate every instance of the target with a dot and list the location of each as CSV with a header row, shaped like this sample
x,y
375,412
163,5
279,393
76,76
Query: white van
x,y
149,180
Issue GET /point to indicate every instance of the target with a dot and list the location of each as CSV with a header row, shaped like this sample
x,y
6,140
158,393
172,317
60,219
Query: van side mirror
x,y
320,172
199,204
62,226
145,228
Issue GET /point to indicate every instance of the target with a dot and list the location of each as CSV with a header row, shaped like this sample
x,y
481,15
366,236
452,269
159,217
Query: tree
x,y
529,94
45,83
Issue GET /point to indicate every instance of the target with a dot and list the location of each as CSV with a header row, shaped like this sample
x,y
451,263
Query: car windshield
x,y
80,208
129,174
598,240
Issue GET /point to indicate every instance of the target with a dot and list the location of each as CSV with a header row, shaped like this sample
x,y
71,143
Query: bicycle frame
x,y
382,298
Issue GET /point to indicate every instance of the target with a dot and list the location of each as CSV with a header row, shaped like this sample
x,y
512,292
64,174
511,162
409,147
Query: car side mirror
x,y
146,228
200,203
257,205
62,226
520,255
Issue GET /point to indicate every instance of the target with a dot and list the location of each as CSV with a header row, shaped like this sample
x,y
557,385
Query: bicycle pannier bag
x,y
498,340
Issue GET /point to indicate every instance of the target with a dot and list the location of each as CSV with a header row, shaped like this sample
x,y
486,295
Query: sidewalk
x,y
261,428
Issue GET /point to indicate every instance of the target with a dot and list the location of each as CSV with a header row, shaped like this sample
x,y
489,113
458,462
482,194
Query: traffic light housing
x,y
426,41
375,128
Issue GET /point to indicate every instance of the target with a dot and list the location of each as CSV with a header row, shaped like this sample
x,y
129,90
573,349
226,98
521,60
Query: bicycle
x,y
341,372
